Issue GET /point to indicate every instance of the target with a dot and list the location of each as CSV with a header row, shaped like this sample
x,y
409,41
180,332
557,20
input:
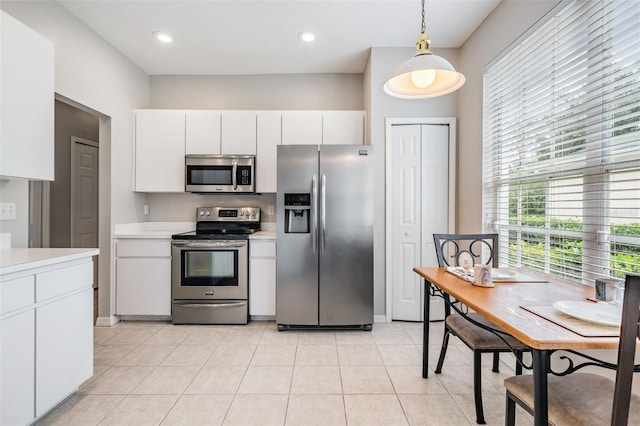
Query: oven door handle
x,y
212,305
208,245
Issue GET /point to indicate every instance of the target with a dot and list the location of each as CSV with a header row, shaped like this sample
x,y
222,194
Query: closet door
x,y
419,208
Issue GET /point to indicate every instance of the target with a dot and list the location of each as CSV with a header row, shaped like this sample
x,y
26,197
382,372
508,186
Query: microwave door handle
x,y
323,212
234,178
314,212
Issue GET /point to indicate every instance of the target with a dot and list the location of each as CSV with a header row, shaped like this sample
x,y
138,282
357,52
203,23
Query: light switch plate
x,y
7,211
270,210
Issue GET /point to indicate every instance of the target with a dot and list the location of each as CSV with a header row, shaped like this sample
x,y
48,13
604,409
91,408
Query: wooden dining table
x,y
506,305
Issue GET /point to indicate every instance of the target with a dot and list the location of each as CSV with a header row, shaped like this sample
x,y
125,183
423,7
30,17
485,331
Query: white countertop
x,y
20,259
167,229
151,229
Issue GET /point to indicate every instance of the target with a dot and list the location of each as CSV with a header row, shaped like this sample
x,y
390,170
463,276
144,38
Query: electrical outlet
x,y
145,209
7,211
270,210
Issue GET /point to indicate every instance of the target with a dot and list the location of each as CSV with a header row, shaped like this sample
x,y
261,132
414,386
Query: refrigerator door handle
x,y
323,212
314,212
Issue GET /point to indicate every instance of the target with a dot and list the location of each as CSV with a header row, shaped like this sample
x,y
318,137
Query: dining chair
x,y
588,398
450,250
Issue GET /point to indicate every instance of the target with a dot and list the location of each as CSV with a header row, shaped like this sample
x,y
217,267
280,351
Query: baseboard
x,y
107,321
379,319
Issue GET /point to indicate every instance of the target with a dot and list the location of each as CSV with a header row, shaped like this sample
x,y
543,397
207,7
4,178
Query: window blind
x,y
561,143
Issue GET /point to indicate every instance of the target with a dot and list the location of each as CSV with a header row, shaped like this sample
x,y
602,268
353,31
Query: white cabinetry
x,y
202,132
322,127
46,335
64,337
301,127
262,278
238,133
27,99
143,276
269,137
17,340
343,127
160,150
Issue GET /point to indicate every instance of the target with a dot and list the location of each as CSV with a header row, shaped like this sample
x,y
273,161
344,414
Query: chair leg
x,y
443,350
477,386
510,414
496,362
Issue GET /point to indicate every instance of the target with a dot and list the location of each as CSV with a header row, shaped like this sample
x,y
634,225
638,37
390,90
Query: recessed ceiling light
x,y
163,37
306,36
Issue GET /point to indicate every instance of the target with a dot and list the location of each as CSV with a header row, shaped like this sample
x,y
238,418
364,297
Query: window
x,y
561,143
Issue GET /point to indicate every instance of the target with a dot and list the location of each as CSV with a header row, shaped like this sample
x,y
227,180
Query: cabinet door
x,y
262,278
27,99
17,340
301,127
159,151
342,127
269,137
238,133
143,286
202,132
64,348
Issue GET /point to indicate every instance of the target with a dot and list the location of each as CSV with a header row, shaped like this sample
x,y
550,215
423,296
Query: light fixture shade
x,y
447,79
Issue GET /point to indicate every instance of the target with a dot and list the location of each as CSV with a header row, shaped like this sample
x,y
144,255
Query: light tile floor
x,y
155,373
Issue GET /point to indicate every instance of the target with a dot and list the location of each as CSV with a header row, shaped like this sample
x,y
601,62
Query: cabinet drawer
x,y
262,249
143,248
64,280
17,293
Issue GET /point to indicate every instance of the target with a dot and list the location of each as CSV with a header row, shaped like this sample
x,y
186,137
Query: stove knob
x,y
241,213
207,213
201,212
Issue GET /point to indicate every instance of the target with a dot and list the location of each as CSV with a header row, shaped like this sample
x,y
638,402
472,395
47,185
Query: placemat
x,y
578,326
519,277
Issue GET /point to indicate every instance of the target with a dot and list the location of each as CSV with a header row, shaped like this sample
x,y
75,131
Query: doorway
x,y
420,202
64,212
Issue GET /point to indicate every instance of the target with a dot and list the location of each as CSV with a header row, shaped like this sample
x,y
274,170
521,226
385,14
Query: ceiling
x,y
235,37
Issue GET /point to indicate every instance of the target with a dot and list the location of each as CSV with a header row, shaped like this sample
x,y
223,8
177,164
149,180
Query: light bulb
x,y
423,78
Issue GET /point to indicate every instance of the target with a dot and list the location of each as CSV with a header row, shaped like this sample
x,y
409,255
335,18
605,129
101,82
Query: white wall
x,y
505,24
91,73
277,91
383,61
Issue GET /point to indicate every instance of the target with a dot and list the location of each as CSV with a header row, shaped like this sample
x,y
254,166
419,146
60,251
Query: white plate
x,y
502,274
598,313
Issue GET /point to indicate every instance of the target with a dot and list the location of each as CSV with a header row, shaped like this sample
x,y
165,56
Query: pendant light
x,y
425,75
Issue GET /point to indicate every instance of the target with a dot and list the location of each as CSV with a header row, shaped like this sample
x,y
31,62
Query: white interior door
x,y
419,208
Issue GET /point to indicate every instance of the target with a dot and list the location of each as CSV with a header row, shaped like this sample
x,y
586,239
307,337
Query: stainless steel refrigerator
x,y
324,263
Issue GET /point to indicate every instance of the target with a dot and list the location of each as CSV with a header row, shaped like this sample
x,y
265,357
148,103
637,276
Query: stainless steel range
x,y
210,267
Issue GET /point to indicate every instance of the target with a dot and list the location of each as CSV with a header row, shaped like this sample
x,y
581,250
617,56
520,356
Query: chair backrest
x,y
629,333
452,248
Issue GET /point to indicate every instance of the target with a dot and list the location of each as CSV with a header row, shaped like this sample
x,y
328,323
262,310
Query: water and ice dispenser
x,y
297,212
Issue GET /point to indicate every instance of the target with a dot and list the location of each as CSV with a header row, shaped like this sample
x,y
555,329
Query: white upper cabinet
x,y
27,99
269,137
301,127
202,132
160,150
238,133
343,127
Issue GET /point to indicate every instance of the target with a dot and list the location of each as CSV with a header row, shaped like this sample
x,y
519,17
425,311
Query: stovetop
x,y
222,223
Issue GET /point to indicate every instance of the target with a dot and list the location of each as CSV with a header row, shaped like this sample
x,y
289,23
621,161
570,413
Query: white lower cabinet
x,y
143,277
17,387
46,336
262,278
63,358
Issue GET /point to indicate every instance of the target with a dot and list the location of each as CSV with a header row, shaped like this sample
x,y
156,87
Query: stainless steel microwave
x,y
220,173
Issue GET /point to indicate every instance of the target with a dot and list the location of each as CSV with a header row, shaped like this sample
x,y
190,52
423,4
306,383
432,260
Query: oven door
x,y
209,270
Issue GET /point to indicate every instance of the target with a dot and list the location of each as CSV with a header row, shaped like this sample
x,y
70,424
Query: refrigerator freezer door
x,y
346,235
297,260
